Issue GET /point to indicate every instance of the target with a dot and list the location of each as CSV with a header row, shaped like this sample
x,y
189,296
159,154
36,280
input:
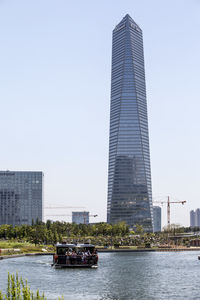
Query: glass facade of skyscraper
x,y
195,218
129,176
192,218
21,197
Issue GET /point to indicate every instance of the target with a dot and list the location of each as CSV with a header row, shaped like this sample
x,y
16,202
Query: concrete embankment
x,y
148,250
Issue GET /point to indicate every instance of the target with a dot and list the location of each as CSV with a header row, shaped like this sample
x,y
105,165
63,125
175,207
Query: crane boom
x,y
66,215
168,202
61,207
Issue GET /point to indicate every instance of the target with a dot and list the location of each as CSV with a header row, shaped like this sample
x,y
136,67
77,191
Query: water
x,y
120,276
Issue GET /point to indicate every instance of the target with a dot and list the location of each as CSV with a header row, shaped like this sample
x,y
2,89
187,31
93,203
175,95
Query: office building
x,y
192,218
21,197
129,174
80,217
157,218
195,218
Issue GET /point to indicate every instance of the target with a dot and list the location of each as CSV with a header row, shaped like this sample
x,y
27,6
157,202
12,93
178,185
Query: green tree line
x,y
53,232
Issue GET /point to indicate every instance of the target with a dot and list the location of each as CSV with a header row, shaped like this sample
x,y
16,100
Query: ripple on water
x,y
120,276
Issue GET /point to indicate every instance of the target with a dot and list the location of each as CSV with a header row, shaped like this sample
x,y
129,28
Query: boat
x,y
75,256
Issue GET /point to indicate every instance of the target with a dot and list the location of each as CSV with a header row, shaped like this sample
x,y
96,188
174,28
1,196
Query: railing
x,y
76,260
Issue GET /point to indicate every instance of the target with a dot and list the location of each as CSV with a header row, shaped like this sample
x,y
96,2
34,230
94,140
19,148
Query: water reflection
x,y
127,279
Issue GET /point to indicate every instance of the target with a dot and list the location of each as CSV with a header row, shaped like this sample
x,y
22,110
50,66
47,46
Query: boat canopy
x,y
75,245
85,245
63,248
66,245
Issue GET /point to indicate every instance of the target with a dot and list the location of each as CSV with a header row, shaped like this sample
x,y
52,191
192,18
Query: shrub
x,y
17,289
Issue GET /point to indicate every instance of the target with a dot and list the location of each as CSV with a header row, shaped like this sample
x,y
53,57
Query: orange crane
x,y
168,207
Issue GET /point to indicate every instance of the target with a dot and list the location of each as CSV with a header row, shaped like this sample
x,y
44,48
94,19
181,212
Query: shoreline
x,y
148,250
25,254
100,250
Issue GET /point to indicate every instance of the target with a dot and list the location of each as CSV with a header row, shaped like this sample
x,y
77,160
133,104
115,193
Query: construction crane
x,y
64,215
168,202
61,207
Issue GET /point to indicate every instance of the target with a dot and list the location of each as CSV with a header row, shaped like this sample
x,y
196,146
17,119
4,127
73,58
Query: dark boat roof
x,y
74,245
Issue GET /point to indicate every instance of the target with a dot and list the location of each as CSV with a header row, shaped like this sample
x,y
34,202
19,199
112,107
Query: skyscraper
x,y
129,174
197,217
192,218
21,197
157,218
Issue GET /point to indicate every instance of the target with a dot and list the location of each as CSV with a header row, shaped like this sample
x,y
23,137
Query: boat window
x,y
61,251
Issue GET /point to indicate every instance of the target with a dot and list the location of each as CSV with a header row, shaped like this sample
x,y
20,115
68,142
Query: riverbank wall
x,y
148,250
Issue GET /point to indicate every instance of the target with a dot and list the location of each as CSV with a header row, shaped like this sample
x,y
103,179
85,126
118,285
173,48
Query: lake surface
x,y
120,276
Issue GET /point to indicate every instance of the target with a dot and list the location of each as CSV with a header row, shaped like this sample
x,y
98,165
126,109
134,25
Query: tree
x,y
139,229
173,228
48,224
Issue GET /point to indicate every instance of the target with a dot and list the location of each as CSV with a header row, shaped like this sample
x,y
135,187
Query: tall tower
x,y
129,174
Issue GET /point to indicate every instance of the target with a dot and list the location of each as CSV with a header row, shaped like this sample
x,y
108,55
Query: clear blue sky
x,y
55,63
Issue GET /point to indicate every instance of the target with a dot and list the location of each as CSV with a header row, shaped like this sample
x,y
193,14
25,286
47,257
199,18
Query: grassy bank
x,y
10,247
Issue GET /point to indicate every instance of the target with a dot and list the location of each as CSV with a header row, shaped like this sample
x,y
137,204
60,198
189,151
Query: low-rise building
x,y
80,217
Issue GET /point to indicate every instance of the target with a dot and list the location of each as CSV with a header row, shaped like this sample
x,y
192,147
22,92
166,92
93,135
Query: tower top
x,y
127,21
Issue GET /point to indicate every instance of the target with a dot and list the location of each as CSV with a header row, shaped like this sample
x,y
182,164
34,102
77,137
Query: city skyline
x,y
129,174
54,94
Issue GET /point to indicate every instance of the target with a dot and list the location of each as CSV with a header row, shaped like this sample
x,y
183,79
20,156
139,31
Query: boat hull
x,y
61,266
